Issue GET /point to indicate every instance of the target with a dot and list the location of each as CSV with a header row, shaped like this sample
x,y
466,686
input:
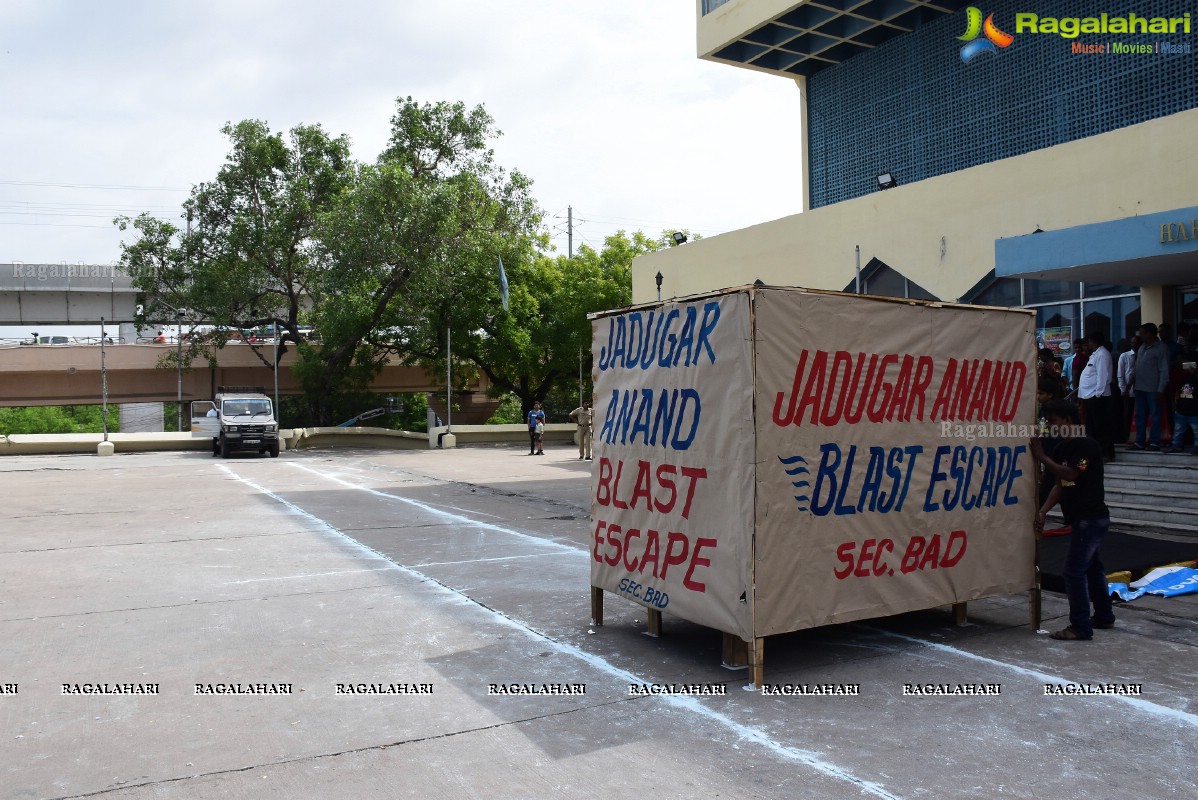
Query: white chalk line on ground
x,y
684,703
1147,706
307,575
488,560
448,517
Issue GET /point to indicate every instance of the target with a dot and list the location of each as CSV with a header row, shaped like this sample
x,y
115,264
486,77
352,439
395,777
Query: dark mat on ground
x,y
1120,551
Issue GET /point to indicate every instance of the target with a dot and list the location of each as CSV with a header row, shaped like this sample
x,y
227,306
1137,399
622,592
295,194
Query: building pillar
x,y
141,418
1152,304
804,145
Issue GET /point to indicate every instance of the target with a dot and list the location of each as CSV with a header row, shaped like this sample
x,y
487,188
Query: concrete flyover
x,y
54,374
70,374
64,294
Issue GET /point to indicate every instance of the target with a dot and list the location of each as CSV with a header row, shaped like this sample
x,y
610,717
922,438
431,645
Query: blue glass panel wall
x,y
911,107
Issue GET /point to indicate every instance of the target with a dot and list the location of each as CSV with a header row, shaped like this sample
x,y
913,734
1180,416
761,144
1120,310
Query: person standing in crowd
x,y
1170,341
1047,367
536,430
1151,378
1185,405
1077,465
1125,373
1066,373
1074,365
1047,390
1094,391
1173,347
582,417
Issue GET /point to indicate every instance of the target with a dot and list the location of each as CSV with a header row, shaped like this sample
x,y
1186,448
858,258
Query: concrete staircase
x,y
1151,491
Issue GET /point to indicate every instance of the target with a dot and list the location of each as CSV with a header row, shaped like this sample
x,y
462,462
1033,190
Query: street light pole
x,y
277,413
103,379
179,368
179,312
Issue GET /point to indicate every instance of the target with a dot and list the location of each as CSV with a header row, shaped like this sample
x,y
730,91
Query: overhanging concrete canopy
x,y
1150,250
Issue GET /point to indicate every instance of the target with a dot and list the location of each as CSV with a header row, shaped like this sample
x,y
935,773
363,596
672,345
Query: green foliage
x,y
412,414
292,231
534,350
57,419
508,411
381,259
248,259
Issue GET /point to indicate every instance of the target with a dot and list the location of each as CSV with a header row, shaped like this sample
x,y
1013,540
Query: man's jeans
x,y
1148,403
1180,423
1085,579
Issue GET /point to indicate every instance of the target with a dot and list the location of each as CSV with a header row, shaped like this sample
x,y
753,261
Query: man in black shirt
x,y
1077,464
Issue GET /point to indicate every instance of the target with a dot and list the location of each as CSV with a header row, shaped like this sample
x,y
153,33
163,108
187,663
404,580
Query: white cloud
x,y
604,106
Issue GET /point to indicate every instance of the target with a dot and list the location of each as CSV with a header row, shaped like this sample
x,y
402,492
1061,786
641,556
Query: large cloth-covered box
x,y
769,460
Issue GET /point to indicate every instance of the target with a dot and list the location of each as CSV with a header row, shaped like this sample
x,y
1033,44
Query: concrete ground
x,y
458,569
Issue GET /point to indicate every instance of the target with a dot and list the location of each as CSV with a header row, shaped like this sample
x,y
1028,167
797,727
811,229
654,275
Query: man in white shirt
x,y
1126,371
1094,390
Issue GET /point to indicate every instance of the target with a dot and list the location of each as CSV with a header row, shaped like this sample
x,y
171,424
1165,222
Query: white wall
x,y
940,232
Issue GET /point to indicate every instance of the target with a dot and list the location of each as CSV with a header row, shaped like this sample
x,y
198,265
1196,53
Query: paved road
x,y
441,573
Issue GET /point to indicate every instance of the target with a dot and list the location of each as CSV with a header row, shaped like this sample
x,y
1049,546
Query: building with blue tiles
x,y
1034,154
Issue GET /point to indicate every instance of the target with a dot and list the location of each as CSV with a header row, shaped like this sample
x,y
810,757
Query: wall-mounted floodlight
x,y
886,181
658,278
679,237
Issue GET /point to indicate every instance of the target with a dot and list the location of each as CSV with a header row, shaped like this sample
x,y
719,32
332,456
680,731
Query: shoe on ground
x,y
1195,453
540,452
1138,446
1156,448
1068,635
1102,626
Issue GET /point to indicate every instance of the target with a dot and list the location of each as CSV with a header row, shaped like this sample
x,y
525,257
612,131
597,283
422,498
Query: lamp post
x,y
179,370
658,278
179,312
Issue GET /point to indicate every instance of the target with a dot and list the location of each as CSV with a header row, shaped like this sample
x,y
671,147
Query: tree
x,y
246,259
55,419
293,232
532,351
403,244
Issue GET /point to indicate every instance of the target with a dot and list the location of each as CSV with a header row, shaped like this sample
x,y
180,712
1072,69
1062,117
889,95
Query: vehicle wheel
x,y
274,449
224,447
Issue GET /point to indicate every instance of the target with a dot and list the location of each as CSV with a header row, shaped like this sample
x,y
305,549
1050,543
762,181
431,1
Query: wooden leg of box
x,y
735,652
596,606
654,622
960,617
757,660
1034,609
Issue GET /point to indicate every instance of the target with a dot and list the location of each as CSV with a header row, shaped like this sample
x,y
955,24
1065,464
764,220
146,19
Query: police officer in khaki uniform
x,y
583,415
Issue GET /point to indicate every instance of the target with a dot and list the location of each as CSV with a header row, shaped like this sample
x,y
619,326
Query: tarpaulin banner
x,y
1162,581
672,484
892,446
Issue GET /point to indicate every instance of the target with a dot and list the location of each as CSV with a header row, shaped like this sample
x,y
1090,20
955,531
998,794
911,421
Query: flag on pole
x,y
503,284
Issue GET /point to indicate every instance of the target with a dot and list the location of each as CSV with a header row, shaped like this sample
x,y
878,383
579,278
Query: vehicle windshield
x,y
245,408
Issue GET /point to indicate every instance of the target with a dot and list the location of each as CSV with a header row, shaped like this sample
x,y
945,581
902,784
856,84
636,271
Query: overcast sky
x,y
116,107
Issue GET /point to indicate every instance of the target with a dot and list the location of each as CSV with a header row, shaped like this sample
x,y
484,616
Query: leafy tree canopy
x,y
381,258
